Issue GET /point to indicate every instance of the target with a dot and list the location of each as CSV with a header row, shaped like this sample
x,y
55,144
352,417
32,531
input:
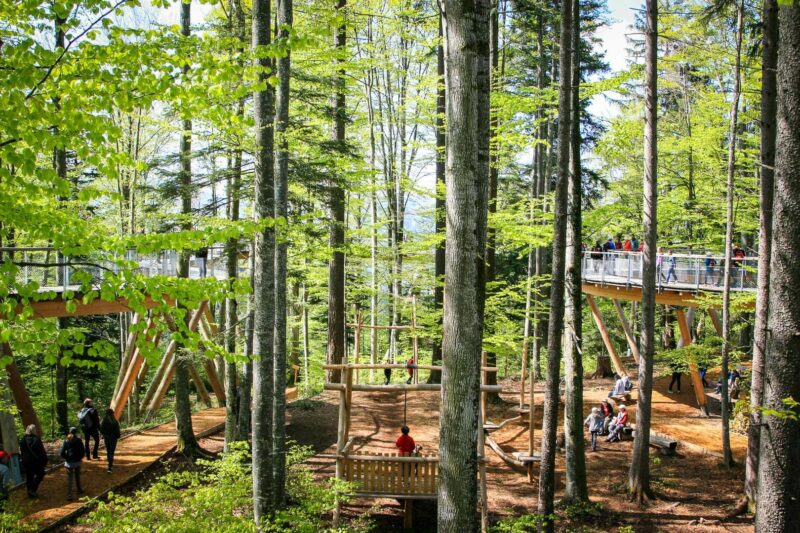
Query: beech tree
x,y
466,37
779,460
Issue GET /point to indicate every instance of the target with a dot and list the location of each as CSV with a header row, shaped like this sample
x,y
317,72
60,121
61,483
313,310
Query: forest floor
x,y
134,454
694,492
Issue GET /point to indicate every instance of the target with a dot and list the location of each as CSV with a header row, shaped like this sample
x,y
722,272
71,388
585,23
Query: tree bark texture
x,y
547,472
769,62
264,278
779,463
465,27
281,201
576,487
336,273
639,474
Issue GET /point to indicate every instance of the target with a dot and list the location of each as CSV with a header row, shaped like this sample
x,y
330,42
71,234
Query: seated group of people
x,y
603,421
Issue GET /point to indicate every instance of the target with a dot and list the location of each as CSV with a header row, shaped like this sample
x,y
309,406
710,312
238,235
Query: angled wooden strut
x,y
697,382
20,394
628,331
712,313
168,363
130,347
601,325
210,331
133,370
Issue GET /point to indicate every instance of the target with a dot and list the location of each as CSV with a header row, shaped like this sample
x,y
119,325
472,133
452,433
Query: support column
x,y
20,394
131,374
697,383
628,331
601,325
130,346
714,316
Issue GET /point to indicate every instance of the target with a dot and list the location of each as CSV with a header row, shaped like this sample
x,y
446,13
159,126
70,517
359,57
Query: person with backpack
x,y
34,460
89,421
109,427
711,264
72,453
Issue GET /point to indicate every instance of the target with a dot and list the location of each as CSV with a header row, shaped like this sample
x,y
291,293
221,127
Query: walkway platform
x,y
134,454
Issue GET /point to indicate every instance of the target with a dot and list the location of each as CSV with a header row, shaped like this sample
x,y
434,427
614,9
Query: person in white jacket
x,y
595,422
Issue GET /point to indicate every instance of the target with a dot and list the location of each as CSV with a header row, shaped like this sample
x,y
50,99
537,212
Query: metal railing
x,y
679,271
50,270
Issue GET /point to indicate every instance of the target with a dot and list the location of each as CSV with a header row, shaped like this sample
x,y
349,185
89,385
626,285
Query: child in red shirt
x,y
410,366
404,442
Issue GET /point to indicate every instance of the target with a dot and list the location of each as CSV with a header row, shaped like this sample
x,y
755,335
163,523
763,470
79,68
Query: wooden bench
x,y
390,475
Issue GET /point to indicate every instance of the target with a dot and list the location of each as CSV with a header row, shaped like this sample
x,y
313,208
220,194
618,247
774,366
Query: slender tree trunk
x,y
440,215
187,444
246,383
336,274
727,456
769,61
264,278
465,27
576,487
231,307
639,474
779,463
547,472
281,200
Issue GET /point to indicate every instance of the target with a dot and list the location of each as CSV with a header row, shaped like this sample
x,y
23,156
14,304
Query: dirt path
x,y
690,485
133,455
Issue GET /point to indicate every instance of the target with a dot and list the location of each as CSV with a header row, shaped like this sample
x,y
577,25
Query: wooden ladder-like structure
x,y
391,475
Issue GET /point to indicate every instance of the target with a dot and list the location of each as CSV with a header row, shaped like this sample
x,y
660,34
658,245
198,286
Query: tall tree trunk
x,y
264,277
281,201
727,456
440,215
547,472
231,306
466,31
246,384
187,444
576,487
336,293
769,63
639,474
779,462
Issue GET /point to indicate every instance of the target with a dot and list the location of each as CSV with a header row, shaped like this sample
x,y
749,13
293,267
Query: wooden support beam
x,y
628,331
697,382
714,316
130,347
213,378
161,371
161,389
18,391
379,366
601,325
57,307
367,326
666,296
401,387
131,374
202,391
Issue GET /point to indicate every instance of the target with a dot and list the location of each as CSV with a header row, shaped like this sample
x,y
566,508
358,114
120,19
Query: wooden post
x,y
601,325
130,345
414,339
131,373
161,389
697,382
357,342
202,391
342,431
712,314
628,331
18,391
482,450
523,373
213,379
161,371
531,426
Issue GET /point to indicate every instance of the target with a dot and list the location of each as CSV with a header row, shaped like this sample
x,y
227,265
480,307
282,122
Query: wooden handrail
x,y
401,387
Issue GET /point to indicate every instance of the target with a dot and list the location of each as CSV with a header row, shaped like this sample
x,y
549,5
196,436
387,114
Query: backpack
x,y
85,418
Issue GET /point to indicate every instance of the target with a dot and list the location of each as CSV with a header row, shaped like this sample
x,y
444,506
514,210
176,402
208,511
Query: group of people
x,y
74,450
603,421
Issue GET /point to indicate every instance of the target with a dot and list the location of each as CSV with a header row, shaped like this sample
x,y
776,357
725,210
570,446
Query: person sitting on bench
x,y
622,387
607,410
619,423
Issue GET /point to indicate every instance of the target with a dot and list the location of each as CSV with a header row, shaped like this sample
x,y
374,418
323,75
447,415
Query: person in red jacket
x,y
405,444
616,427
410,366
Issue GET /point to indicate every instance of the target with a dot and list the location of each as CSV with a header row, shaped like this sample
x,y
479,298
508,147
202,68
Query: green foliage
x,y
524,524
790,410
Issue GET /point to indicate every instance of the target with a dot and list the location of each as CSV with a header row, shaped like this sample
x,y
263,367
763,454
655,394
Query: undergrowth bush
x,y
218,497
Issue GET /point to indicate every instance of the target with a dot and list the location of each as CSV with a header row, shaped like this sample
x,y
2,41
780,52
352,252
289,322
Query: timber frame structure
x,y
402,477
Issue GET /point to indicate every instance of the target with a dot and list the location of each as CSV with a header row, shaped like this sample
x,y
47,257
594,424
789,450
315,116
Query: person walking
x,y
34,460
72,453
676,376
595,423
672,262
89,421
711,264
109,427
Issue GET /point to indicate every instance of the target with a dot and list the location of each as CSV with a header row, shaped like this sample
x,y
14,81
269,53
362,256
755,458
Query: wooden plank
x,y
626,327
697,382
601,325
18,391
